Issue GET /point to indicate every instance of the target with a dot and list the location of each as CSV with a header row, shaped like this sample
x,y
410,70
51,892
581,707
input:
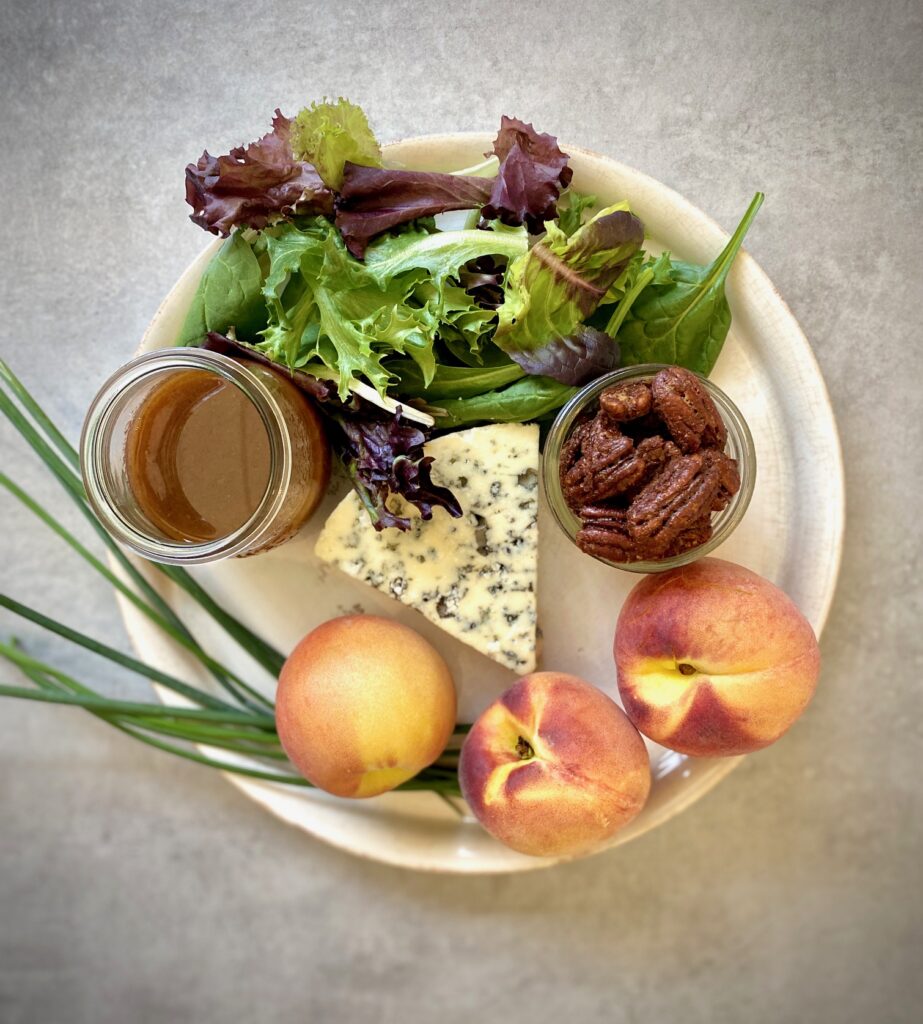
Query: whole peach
x,y
363,704
713,660
553,767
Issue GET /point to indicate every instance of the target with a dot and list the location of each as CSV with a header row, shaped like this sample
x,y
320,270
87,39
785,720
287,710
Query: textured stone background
x,y
134,888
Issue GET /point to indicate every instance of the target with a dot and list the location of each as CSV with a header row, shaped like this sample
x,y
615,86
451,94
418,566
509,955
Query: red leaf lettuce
x,y
252,183
374,199
533,170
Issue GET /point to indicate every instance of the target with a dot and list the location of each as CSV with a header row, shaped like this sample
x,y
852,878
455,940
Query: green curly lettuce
x,y
328,135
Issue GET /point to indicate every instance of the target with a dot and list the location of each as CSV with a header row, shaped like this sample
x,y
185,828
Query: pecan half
x,y
692,537
572,447
626,401
681,494
730,478
686,408
604,513
605,466
655,450
605,533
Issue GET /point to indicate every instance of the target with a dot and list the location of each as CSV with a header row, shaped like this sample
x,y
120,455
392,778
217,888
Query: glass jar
x,y
739,446
298,463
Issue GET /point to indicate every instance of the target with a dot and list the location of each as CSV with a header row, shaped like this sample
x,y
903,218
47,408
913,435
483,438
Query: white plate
x,y
791,534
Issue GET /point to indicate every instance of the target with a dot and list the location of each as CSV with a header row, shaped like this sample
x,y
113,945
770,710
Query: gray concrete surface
x,y
137,889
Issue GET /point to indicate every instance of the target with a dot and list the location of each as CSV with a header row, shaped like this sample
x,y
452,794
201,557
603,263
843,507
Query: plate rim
x,y
262,792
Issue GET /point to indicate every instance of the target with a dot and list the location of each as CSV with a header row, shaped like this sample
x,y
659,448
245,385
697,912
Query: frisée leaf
x,y
328,135
326,308
571,210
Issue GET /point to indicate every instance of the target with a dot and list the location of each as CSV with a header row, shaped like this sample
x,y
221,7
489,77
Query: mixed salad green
x,y
347,274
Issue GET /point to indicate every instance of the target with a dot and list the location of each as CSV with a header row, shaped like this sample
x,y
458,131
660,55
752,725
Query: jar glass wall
x,y
289,482
739,447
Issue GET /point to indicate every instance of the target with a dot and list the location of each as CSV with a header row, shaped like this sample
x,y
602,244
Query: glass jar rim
x,y
738,433
95,432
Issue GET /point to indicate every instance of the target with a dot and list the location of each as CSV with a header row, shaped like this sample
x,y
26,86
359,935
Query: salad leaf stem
x,y
624,307
487,168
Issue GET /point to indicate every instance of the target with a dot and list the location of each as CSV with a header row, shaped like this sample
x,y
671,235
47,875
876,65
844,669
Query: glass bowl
x,y
739,446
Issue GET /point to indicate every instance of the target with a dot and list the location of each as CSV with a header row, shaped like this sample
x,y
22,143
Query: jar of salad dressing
x,y
190,456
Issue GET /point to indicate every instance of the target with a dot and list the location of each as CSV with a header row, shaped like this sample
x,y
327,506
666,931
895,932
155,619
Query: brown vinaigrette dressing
x,y
197,456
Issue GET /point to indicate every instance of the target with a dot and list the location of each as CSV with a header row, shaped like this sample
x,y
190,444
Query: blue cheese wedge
x,y
475,576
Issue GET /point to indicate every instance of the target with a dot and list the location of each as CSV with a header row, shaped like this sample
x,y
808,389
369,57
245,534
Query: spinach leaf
x,y
684,321
641,271
228,295
194,327
452,381
527,399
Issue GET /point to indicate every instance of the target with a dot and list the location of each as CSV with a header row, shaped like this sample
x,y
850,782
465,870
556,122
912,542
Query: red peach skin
x,y
553,768
364,704
714,660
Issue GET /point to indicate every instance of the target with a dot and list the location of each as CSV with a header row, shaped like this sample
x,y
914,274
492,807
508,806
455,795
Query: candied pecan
x,y
692,537
606,465
686,408
602,542
729,475
655,450
645,473
605,533
604,514
652,453
626,401
680,494
570,450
